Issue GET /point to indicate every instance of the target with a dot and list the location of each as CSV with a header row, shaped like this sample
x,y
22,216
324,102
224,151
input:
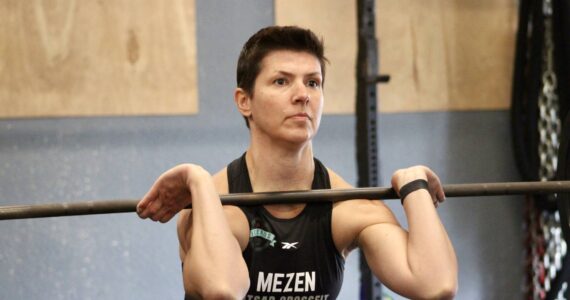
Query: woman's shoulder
x,y
221,181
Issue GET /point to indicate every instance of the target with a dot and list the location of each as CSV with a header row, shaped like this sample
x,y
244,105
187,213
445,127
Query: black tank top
x,y
289,257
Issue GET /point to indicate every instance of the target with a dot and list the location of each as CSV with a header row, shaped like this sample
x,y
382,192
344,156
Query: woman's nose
x,y
301,94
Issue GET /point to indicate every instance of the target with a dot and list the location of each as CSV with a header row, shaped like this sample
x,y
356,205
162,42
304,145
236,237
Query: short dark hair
x,y
274,38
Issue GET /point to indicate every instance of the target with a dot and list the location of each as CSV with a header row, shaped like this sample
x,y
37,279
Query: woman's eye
x,y
280,81
313,83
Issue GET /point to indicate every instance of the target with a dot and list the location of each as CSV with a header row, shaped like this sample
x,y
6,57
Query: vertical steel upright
x,y
366,123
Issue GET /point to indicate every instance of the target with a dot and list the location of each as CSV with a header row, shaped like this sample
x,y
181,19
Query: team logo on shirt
x,y
261,236
257,232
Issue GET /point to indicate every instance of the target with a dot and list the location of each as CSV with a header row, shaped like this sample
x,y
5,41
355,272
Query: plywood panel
x,y
106,57
441,55
446,55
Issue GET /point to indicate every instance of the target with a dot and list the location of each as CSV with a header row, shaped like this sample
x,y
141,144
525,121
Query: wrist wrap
x,y
412,186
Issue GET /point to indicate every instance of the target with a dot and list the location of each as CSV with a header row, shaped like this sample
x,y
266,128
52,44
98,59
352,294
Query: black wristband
x,y
412,187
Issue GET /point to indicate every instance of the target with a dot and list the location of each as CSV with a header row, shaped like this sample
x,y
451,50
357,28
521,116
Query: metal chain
x,y
548,122
547,248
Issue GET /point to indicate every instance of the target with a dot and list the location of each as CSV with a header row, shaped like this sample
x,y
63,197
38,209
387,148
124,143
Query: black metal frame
x,y
366,122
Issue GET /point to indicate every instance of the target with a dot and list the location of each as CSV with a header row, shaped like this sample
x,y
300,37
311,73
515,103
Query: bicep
x,y
184,231
385,248
238,225
184,222
236,220
190,256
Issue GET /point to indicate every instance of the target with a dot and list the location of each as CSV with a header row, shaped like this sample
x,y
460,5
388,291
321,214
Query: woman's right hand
x,y
170,193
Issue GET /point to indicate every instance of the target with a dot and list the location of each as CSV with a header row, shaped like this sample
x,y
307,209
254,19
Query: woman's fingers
x,y
162,204
145,201
160,214
436,189
166,217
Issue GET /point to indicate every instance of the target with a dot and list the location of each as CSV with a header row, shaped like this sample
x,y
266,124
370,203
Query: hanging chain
x,y
547,246
547,251
548,122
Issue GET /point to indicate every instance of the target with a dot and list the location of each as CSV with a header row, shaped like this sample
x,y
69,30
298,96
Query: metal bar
x,y
123,206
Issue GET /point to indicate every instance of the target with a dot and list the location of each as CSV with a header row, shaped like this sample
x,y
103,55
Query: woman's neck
x,y
279,169
274,170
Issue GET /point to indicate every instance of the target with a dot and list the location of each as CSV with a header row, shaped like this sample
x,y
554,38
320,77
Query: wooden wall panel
x,y
441,55
107,57
446,55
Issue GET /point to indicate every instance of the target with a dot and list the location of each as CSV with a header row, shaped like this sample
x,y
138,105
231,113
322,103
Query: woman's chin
x,y
300,138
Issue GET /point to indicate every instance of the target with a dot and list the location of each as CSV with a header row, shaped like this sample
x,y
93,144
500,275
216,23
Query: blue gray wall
x,y
122,257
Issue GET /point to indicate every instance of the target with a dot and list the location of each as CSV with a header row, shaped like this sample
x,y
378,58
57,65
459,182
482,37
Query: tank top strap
x,y
321,179
238,176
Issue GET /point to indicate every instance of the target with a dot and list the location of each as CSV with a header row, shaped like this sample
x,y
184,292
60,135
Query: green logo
x,y
256,232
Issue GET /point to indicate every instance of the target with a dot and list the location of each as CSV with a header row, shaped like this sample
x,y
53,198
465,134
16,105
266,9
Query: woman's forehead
x,y
288,61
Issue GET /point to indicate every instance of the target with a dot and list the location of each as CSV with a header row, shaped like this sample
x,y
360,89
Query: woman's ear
x,y
242,101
